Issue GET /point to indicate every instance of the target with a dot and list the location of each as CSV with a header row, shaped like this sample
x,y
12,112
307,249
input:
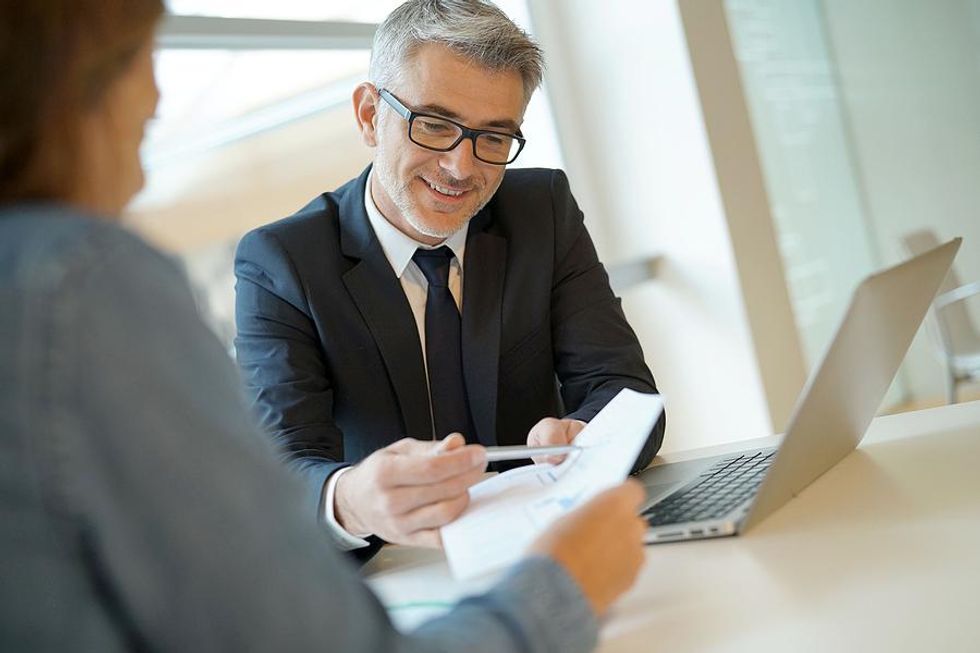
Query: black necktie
x,y
443,351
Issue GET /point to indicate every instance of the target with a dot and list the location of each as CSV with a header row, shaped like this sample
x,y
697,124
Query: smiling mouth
x,y
444,191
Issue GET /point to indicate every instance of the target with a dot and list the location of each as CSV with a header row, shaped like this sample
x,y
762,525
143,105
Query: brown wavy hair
x,y
59,58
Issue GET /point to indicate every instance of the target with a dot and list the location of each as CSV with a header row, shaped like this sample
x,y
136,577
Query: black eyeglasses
x,y
442,134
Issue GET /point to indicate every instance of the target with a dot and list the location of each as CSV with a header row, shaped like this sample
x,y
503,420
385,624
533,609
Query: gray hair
x,y
476,29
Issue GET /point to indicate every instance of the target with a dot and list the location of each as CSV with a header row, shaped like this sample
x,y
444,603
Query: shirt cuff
x,y
342,538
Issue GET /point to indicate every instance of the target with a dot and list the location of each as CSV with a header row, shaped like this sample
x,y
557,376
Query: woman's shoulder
x,y
45,244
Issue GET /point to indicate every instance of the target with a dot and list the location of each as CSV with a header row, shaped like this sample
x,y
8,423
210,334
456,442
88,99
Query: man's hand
x,y
551,431
600,545
405,492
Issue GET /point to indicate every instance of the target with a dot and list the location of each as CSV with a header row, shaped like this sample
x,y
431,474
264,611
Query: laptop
x,y
725,495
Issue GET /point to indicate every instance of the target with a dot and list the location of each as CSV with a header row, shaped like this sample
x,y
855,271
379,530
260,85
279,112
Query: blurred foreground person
x,y
141,509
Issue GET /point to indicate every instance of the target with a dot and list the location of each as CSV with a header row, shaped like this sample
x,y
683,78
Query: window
x,y
362,11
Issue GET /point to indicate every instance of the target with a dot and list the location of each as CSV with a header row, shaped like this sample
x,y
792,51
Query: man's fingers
x,y
554,460
547,431
408,469
434,515
407,498
554,431
450,442
430,539
411,446
548,460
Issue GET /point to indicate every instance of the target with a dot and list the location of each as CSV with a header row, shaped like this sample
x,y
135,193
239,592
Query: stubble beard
x,y
401,196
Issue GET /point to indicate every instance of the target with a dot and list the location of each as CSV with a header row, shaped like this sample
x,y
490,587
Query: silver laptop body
x,y
725,495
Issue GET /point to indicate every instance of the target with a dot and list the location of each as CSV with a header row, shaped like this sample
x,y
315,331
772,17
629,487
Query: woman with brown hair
x,y
78,88
140,507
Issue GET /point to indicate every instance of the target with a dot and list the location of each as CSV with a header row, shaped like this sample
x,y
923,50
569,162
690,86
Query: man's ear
x,y
366,112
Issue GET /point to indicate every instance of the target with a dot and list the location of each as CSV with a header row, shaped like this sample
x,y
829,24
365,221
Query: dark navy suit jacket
x,y
329,349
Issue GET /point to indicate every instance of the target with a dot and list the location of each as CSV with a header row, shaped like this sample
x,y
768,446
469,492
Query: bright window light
x,y
362,11
213,97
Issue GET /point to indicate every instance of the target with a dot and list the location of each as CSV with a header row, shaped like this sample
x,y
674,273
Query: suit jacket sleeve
x,y
596,352
192,532
282,363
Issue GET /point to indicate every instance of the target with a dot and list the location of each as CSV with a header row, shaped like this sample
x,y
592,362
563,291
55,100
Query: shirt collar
x,y
399,247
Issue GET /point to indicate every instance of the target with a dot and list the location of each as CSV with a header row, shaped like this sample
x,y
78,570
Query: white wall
x,y
637,155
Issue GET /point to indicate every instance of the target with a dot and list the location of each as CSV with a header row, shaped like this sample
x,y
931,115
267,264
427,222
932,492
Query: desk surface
x,y
882,553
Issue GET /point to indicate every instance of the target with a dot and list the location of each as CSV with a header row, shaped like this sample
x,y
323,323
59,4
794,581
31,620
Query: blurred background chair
x,y
955,333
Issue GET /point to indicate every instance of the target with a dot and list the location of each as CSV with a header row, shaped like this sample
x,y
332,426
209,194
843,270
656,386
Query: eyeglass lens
x,y
439,134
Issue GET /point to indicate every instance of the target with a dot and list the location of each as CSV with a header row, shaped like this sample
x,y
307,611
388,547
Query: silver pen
x,y
496,454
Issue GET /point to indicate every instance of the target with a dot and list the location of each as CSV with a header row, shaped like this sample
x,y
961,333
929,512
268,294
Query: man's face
x,y
431,195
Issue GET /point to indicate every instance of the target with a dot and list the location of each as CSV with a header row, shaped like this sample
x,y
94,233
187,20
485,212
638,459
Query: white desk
x,y
882,553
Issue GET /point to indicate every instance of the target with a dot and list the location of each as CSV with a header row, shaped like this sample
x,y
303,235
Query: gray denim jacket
x,y
141,510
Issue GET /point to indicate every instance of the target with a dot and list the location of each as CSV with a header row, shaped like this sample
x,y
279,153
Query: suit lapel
x,y
483,286
382,303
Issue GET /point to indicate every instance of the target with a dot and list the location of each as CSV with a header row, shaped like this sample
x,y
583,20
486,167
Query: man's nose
x,y
460,161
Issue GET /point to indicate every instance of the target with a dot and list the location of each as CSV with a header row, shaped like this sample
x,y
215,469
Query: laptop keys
x,y
718,491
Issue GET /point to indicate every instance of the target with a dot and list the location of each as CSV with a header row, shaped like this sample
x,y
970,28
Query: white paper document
x,y
508,511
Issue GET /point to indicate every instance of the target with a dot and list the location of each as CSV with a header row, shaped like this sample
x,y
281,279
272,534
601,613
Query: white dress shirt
x,y
399,249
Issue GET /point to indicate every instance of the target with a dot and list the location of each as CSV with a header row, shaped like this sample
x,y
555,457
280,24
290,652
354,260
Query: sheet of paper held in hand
x,y
508,511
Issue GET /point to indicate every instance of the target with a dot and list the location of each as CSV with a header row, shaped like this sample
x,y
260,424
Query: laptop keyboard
x,y
723,487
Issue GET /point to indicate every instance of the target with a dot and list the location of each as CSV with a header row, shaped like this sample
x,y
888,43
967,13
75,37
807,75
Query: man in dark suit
x,y
434,294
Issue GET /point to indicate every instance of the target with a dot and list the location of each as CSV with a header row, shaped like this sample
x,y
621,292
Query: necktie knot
x,y
434,264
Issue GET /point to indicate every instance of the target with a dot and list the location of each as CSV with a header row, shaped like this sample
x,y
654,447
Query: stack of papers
x,y
508,511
